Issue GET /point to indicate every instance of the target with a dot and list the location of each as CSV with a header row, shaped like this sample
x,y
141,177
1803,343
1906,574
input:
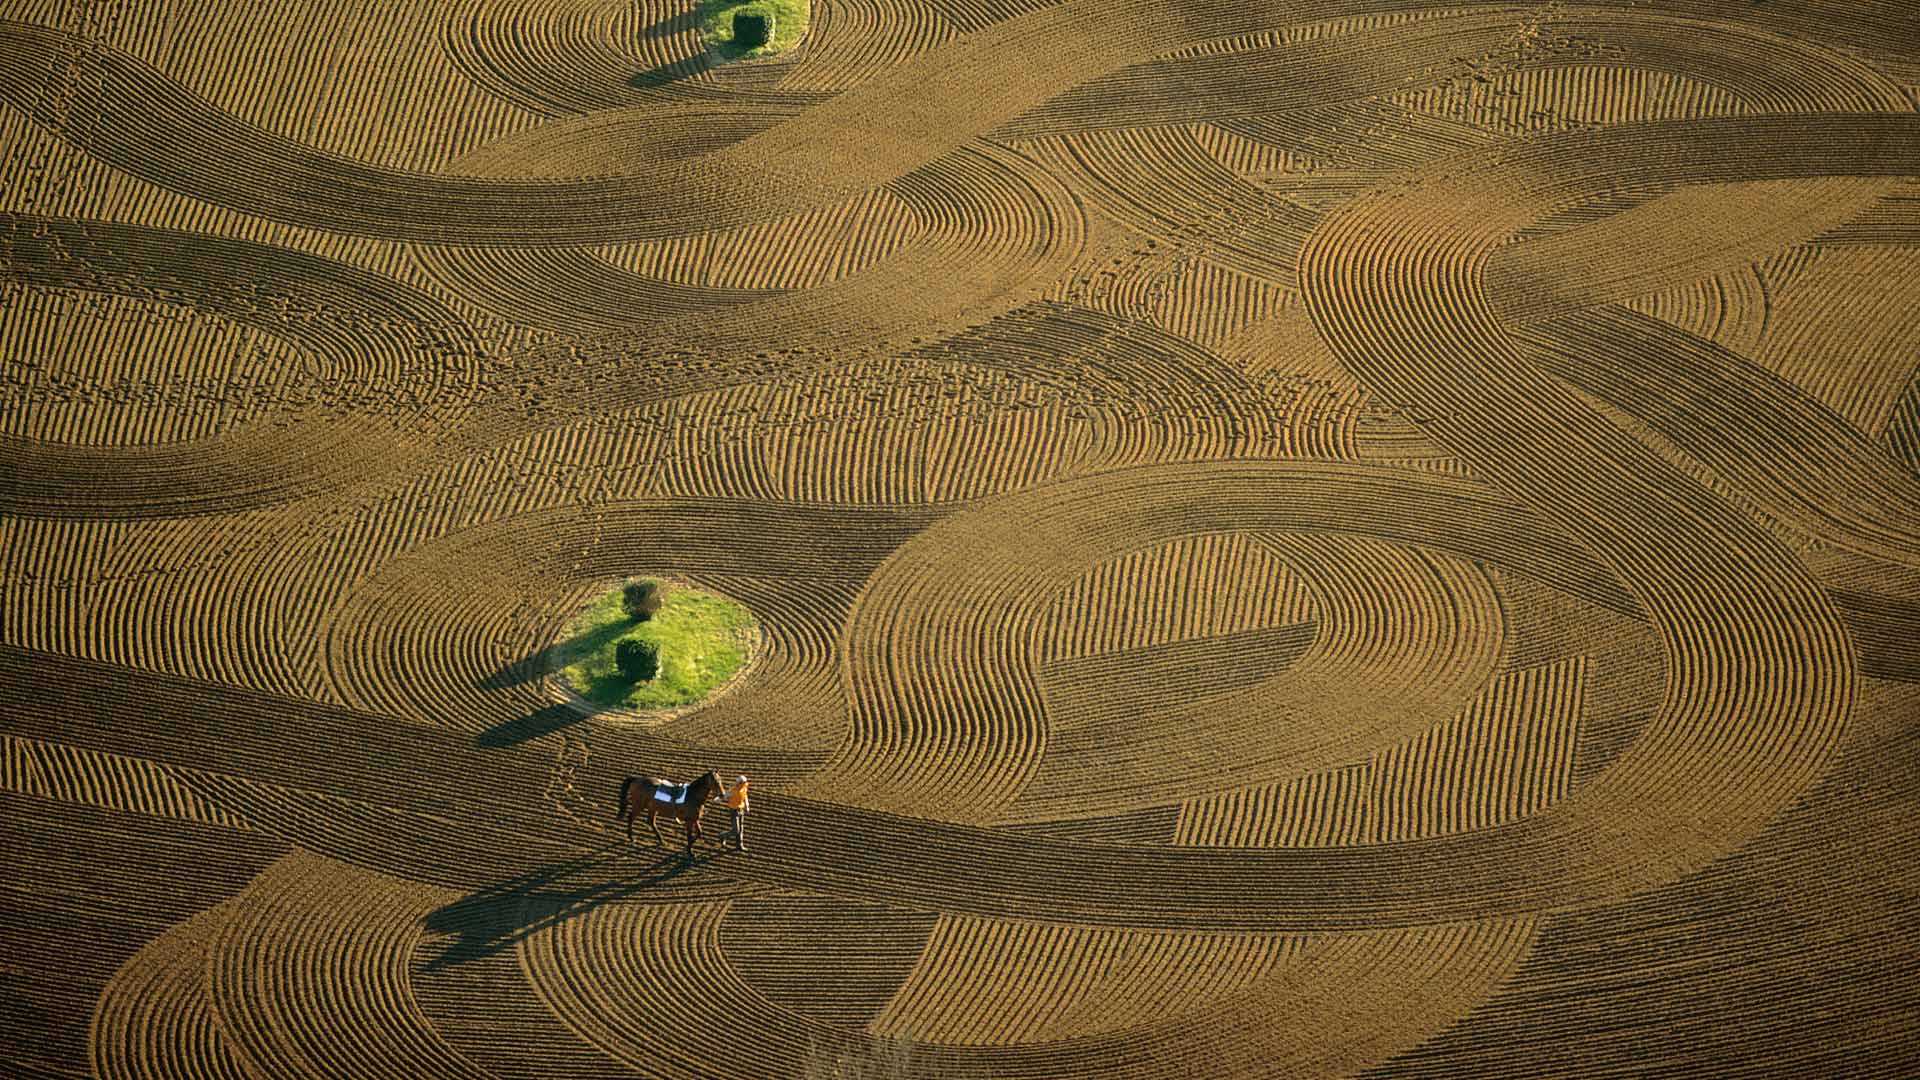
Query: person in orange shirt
x,y
737,806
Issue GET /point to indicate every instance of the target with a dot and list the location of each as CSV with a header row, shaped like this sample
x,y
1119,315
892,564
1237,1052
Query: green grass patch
x,y
703,640
716,25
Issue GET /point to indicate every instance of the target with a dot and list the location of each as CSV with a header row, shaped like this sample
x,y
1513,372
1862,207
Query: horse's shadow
x,y
498,917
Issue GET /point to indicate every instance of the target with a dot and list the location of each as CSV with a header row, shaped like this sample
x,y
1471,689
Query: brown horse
x,y
656,797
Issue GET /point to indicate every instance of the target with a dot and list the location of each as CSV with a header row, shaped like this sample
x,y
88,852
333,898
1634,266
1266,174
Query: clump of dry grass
x,y
897,1057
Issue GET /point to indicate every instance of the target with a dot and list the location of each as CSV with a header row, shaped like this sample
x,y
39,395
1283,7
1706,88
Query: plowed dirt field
x,y
1291,538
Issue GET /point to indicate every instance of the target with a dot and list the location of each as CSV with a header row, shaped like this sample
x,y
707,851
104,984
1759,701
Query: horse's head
x,y
711,782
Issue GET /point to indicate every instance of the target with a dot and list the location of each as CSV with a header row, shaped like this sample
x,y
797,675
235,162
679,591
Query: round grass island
x,y
750,29
700,641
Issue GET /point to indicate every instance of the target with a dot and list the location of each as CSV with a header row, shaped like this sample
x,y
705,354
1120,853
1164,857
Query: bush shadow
x,y
533,666
679,23
532,726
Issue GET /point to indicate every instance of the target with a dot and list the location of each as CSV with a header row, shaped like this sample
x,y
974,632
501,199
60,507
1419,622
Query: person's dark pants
x,y
739,827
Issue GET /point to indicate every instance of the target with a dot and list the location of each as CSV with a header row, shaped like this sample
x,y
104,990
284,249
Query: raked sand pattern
x,y
1335,538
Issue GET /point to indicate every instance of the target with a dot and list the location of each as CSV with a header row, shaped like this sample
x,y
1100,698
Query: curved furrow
x,y
1603,67
799,844
1320,410
1768,70
155,1018
999,229
791,691
96,888
1733,309
1902,433
76,774
1163,182
129,115
875,434
1701,230
1760,667
364,326
1133,394
1765,915
974,15
801,252
1506,756
776,943
906,454
479,1000
572,290
1122,705
1472,57
159,594
847,40
618,142
987,983
651,988
1763,436
948,717
1402,641
1842,330
1201,587
1330,808
377,342
1892,222
104,370
363,81
1197,300
1263,76
1415,981
309,975
347,784
1320,156
417,843
1532,100
1545,625
886,431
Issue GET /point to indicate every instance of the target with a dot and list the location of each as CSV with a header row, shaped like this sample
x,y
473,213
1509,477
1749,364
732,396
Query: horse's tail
x,y
625,786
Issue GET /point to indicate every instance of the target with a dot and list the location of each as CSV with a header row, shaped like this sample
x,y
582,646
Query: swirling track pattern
x,y
1335,538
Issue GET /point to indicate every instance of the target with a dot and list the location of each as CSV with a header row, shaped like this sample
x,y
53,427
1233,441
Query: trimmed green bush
x,y
638,661
731,28
752,29
641,599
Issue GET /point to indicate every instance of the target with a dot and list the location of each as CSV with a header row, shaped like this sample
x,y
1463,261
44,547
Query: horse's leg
x,y
693,830
653,822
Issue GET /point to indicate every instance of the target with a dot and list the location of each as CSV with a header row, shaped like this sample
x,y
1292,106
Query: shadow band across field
x,y
479,813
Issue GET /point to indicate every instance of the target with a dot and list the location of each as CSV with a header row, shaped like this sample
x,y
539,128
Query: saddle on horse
x,y
671,794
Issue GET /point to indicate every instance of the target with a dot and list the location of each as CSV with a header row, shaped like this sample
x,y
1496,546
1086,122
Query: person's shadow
x,y
500,916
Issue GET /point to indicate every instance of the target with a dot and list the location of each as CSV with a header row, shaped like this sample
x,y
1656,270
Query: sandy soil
x,y
1319,539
